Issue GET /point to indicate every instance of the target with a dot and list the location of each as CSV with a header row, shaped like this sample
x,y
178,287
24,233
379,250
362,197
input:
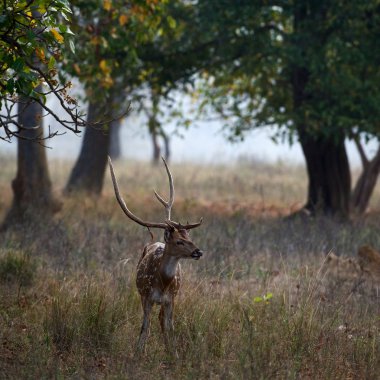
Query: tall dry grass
x,y
258,304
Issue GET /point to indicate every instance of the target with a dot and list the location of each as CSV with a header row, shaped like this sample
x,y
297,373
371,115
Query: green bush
x,y
17,267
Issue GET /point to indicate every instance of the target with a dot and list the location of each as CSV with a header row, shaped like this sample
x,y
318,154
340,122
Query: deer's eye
x,y
180,242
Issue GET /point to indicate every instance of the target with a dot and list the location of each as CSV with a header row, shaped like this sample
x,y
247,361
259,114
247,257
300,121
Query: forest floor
x,y
260,304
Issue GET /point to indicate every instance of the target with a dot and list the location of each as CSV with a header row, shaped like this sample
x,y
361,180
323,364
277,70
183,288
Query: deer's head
x,y
179,244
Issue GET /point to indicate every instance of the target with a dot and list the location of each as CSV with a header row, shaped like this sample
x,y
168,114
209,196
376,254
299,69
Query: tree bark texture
x,y
89,169
32,188
328,170
365,185
329,186
166,139
115,141
156,147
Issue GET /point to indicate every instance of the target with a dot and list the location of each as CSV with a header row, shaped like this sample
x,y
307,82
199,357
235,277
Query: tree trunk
x,y
327,164
115,146
365,185
88,172
32,189
166,139
156,147
329,175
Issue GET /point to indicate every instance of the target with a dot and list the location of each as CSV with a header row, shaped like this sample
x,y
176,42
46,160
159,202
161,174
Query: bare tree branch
x,y
361,150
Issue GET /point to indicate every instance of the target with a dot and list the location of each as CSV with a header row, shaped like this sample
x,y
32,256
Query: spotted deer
x,y
158,270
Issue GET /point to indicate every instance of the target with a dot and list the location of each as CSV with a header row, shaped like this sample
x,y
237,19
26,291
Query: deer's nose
x,y
197,254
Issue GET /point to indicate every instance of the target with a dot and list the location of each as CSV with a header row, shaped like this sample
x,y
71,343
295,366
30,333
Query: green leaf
x,y
172,23
268,296
11,86
69,31
65,16
3,19
72,46
18,64
51,63
62,28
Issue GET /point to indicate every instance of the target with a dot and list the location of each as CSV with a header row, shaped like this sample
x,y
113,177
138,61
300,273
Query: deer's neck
x,y
169,265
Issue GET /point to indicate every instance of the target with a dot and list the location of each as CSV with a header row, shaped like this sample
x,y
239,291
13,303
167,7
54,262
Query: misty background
x,y
203,142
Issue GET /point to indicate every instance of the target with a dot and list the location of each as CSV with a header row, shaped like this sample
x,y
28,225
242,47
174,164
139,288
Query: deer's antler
x,y
124,206
187,226
168,205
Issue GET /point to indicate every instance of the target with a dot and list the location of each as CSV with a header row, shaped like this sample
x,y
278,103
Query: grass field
x,y
258,305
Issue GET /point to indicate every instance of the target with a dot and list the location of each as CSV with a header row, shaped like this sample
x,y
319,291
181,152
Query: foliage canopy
x,y
33,35
300,64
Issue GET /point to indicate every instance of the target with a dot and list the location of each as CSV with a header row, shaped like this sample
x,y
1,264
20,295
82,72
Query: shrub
x,y
17,267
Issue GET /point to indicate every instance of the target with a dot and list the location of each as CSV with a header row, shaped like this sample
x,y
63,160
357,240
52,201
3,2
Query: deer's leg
x,y
147,307
166,321
169,319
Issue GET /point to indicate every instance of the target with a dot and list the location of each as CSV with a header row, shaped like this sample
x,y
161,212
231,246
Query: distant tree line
x,y
310,69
